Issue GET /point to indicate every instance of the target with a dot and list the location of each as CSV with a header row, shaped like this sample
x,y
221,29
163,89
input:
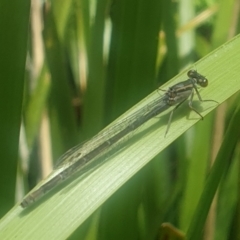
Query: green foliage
x,y
13,44
99,59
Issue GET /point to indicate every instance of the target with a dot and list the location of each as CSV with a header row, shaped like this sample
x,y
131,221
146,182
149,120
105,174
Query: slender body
x,y
80,156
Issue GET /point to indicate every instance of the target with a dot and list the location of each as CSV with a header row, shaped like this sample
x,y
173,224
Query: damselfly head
x,y
200,79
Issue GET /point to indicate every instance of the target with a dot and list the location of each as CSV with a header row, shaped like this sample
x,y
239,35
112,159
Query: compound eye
x,y
200,79
203,82
191,73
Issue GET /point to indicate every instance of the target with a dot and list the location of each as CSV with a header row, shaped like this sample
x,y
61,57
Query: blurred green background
x,y
69,68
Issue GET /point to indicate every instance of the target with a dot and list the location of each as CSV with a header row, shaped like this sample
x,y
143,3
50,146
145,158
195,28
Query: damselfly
x,y
77,158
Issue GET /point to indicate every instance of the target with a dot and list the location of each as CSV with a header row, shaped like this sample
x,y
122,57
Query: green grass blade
x,y
60,214
13,45
221,164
